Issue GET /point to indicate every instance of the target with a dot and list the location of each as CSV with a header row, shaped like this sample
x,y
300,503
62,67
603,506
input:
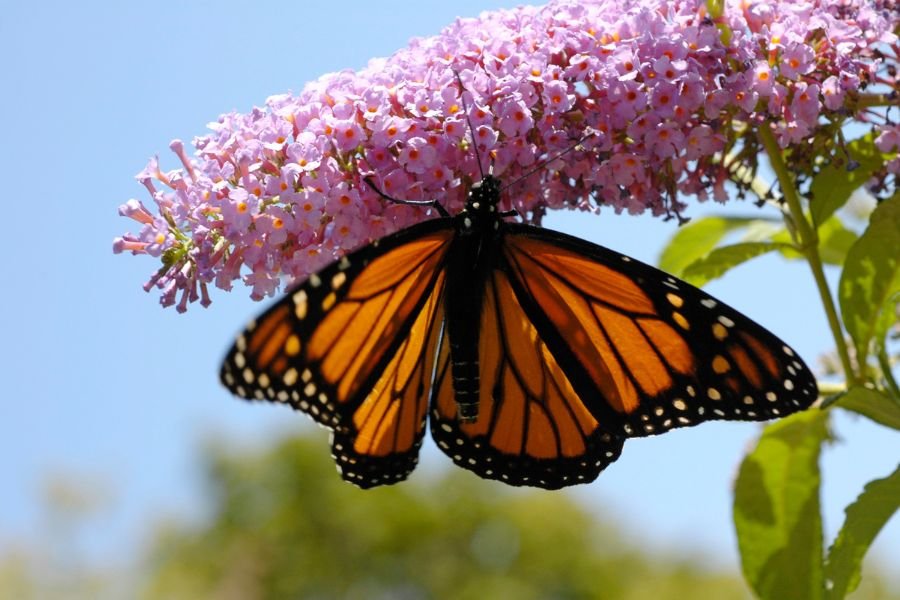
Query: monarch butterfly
x,y
532,354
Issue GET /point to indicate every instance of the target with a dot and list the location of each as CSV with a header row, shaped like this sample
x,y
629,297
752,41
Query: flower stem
x,y
874,100
808,245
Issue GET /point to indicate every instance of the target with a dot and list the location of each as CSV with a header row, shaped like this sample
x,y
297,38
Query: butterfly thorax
x,y
472,256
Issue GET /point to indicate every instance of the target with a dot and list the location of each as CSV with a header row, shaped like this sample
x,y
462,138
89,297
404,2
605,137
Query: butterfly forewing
x,y
649,352
348,346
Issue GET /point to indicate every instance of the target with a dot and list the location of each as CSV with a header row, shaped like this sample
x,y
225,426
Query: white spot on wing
x,y
300,301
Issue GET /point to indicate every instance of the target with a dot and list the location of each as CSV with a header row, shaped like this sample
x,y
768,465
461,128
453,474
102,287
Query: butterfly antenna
x,y
544,163
462,96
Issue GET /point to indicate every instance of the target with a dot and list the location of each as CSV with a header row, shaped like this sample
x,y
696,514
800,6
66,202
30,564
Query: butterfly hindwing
x,y
351,347
532,428
381,444
649,351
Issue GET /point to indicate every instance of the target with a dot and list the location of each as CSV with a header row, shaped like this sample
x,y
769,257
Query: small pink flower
x,y
374,103
888,139
417,156
275,224
832,93
486,138
796,60
515,118
625,168
629,100
310,208
763,78
805,104
703,141
348,231
238,210
557,97
666,140
664,99
342,198
347,134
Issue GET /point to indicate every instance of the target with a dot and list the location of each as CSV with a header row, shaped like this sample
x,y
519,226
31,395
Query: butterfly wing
x,y
646,351
532,428
354,347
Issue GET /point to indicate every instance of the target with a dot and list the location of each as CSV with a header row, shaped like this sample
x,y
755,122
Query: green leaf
x,y
833,185
835,241
720,260
694,241
865,518
872,404
889,313
870,275
776,509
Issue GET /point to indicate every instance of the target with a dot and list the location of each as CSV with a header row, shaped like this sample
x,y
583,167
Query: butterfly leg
x,y
424,203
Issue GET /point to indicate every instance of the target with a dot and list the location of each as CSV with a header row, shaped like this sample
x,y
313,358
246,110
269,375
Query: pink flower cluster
x,y
652,89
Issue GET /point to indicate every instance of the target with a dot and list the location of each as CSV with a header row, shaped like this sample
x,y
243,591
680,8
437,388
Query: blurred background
x,y
127,471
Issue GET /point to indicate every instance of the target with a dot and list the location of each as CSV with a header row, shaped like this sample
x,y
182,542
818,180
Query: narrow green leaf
x,y
694,241
783,237
764,231
834,242
865,518
833,185
776,509
872,404
870,275
890,385
720,260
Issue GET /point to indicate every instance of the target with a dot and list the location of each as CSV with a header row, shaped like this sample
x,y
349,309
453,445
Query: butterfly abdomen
x,y
463,305
471,259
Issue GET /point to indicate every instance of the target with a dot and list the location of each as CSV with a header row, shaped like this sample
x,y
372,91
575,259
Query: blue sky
x,y
107,387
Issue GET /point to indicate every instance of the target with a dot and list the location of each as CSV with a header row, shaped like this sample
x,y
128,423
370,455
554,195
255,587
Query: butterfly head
x,y
484,197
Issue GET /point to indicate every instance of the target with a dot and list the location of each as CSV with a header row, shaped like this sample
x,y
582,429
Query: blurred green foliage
x,y
280,523
284,525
